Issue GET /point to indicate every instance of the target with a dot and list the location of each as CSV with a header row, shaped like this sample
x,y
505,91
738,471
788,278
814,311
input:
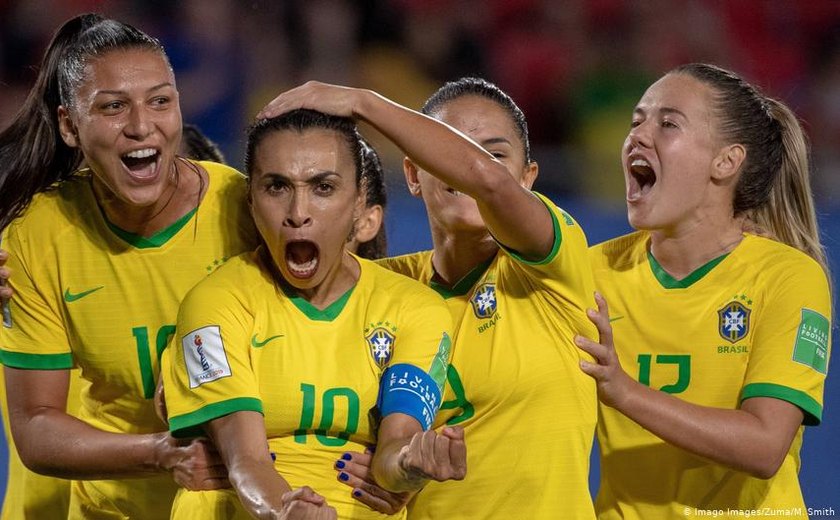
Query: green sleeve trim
x,y
36,361
809,405
558,237
192,424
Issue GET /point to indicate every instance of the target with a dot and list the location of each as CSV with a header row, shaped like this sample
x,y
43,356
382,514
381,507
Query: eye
x,y
276,187
635,122
161,101
667,123
324,188
498,155
112,106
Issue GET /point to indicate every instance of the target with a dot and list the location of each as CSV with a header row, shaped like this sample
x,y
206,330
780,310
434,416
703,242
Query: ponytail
x,y
789,215
32,153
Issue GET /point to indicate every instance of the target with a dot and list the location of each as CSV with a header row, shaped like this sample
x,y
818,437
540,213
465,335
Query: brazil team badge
x,y
733,321
381,344
483,300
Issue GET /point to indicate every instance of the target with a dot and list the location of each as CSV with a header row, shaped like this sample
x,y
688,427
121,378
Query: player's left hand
x,y
435,456
612,381
323,97
354,471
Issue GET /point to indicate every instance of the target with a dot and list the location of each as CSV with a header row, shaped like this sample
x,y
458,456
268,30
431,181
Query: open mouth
x,y
302,258
142,164
642,176
453,191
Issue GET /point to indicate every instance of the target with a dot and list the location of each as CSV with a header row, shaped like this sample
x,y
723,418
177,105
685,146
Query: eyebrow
x,y
118,92
663,110
495,140
318,177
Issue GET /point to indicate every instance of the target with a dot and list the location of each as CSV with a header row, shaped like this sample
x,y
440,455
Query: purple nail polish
x,y
339,464
347,456
357,493
273,456
343,477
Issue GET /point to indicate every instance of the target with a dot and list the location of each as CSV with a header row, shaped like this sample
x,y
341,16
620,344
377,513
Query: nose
x,y
298,215
640,135
139,124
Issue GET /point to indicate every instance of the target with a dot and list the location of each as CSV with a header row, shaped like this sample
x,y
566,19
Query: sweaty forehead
x,y
127,68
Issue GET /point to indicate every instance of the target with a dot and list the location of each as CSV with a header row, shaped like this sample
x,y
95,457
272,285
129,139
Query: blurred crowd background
x,y
576,67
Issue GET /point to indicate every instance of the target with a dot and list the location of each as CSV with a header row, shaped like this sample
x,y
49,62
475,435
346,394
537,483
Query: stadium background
x,y
576,67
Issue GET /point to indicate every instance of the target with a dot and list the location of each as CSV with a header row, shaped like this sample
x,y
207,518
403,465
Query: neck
x,y
680,254
456,254
183,192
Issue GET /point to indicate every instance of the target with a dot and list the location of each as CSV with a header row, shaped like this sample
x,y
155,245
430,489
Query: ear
x,y
728,162
411,178
530,175
368,224
66,128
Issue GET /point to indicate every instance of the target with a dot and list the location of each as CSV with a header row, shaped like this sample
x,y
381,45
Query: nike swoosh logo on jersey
x,y
260,344
616,318
70,297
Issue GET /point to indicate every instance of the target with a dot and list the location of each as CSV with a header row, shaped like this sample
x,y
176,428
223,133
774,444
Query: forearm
x,y
735,438
516,217
259,487
388,472
57,444
433,146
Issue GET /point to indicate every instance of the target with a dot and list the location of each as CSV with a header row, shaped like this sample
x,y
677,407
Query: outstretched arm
x,y
54,443
515,216
753,439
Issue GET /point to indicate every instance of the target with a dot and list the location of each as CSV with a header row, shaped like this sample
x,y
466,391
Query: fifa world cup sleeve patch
x,y
204,355
811,346
410,390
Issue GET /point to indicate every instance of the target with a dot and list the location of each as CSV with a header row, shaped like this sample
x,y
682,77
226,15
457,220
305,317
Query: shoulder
x,y
396,285
619,254
781,264
66,204
239,277
412,265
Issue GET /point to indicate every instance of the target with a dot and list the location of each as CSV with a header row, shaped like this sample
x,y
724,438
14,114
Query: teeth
x,y
306,266
141,154
640,162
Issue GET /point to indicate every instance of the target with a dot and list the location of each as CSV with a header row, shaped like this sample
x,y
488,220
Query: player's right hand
x,y
435,456
354,471
305,504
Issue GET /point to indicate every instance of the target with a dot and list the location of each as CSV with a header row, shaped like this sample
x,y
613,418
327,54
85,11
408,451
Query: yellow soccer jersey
x,y
751,323
515,384
90,295
242,344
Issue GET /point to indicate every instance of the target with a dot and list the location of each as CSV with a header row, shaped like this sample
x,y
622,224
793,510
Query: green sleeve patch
x,y
440,362
809,406
811,345
192,424
36,361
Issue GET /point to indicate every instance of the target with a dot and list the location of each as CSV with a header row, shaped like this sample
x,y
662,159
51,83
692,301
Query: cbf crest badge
x,y
484,300
733,321
381,344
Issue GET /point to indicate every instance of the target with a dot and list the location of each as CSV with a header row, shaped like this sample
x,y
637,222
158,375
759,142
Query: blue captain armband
x,y
410,390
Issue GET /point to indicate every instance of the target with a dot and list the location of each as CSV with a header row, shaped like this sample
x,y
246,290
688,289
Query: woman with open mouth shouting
x,y
306,345
715,346
102,257
515,274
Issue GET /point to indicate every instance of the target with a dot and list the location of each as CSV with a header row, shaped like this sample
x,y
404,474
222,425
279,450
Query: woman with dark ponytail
x,y
101,258
714,351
